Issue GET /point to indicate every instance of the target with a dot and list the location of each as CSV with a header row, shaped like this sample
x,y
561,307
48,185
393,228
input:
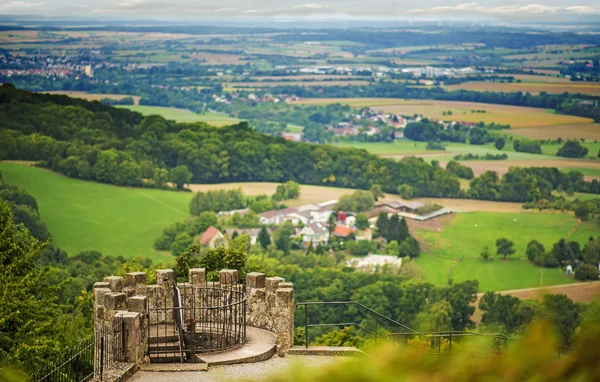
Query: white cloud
x,y
19,6
515,10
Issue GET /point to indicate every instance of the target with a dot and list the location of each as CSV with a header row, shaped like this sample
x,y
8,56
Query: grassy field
x,y
516,116
97,97
453,252
184,115
85,216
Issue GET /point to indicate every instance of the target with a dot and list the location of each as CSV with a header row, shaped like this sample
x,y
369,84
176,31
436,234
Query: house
x,y
368,235
400,206
275,216
212,238
295,137
251,232
372,261
343,232
316,233
350,221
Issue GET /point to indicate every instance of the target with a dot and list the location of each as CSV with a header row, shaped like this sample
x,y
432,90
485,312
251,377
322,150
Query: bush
x,y
546,260
527,146
572,149
410,247
405,191
586,272
534,248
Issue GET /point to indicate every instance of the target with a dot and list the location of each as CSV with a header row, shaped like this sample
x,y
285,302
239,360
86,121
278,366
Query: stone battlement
x,y
268,304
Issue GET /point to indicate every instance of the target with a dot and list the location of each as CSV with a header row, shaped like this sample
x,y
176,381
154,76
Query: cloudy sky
x,y
320,9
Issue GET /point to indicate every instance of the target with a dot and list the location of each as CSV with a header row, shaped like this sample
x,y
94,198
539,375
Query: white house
x,y
372,261
315,233
275,216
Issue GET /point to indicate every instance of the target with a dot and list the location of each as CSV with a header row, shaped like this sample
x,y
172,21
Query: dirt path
x,y
574,228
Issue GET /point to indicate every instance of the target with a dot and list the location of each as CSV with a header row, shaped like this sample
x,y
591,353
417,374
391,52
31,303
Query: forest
x,y
94,141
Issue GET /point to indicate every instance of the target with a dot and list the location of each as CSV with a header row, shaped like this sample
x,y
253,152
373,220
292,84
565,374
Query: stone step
x,y
164,346
259,346
167,357
163,339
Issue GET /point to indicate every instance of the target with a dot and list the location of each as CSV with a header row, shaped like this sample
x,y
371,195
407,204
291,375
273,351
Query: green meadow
x,y
453,252
83,216
185,115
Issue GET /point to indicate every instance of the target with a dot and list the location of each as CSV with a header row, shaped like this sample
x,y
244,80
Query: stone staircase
x,y
164,348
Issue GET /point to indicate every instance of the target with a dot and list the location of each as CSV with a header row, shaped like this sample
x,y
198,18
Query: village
x,y
321,225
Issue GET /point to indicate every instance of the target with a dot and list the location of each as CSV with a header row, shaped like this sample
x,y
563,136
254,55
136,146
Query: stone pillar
x,y
134,337
115,283
135,284
197,276
256,304
228,277
284,319
165,278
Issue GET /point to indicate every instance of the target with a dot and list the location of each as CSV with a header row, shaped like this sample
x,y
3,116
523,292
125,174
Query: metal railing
x,y
195,319
93,355
497,346
373,314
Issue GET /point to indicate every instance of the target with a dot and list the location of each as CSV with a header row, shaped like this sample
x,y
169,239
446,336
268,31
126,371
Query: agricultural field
x,y
587,131
302,82
453,251
533,88
116,221
184,115
515,116
96,97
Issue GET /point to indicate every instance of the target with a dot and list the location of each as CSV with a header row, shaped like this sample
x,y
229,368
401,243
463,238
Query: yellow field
x,y
96,97
587,131
516,116
533,88
297,83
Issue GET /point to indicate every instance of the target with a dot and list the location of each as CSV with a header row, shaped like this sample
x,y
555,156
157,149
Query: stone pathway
x,y
242,372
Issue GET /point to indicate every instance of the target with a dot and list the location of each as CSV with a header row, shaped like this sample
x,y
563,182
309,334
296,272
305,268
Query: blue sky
x,y
417,9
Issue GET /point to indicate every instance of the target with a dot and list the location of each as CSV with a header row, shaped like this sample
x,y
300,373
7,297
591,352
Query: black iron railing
x,y
197,318
376,316
92,355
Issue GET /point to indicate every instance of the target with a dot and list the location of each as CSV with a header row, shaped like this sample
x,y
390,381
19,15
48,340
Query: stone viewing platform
x,y
171,326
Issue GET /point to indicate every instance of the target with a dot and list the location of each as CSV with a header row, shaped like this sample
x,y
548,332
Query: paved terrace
x,y
243,372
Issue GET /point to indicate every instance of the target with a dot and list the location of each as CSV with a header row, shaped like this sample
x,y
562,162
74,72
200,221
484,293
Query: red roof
x,y
208,235
341,231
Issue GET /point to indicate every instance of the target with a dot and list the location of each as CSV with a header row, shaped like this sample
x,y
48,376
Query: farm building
x,y
212,238
308,213
400,206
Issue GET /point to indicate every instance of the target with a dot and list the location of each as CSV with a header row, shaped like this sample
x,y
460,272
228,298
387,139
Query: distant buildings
x,y
372,262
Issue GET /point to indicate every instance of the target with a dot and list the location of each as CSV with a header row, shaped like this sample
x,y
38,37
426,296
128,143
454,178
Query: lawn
x,y
454,251
185,115
526,87
85,216
593,149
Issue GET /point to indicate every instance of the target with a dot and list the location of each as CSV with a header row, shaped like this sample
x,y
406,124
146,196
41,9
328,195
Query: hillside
x,y
91,141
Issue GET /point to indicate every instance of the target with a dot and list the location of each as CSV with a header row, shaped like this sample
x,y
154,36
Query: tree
x,y
562,251
502,310
282,237
586,272
160,177
381,224
534,249
180,175
406,191
377,192
331,223
358,201
485,254
572,149
410,247
181,243
499,143
563,313
263,237
31,318
504,247
392,248
287,190
362,221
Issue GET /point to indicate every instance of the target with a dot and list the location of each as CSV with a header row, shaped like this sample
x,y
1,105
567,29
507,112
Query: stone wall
x,y
269,305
